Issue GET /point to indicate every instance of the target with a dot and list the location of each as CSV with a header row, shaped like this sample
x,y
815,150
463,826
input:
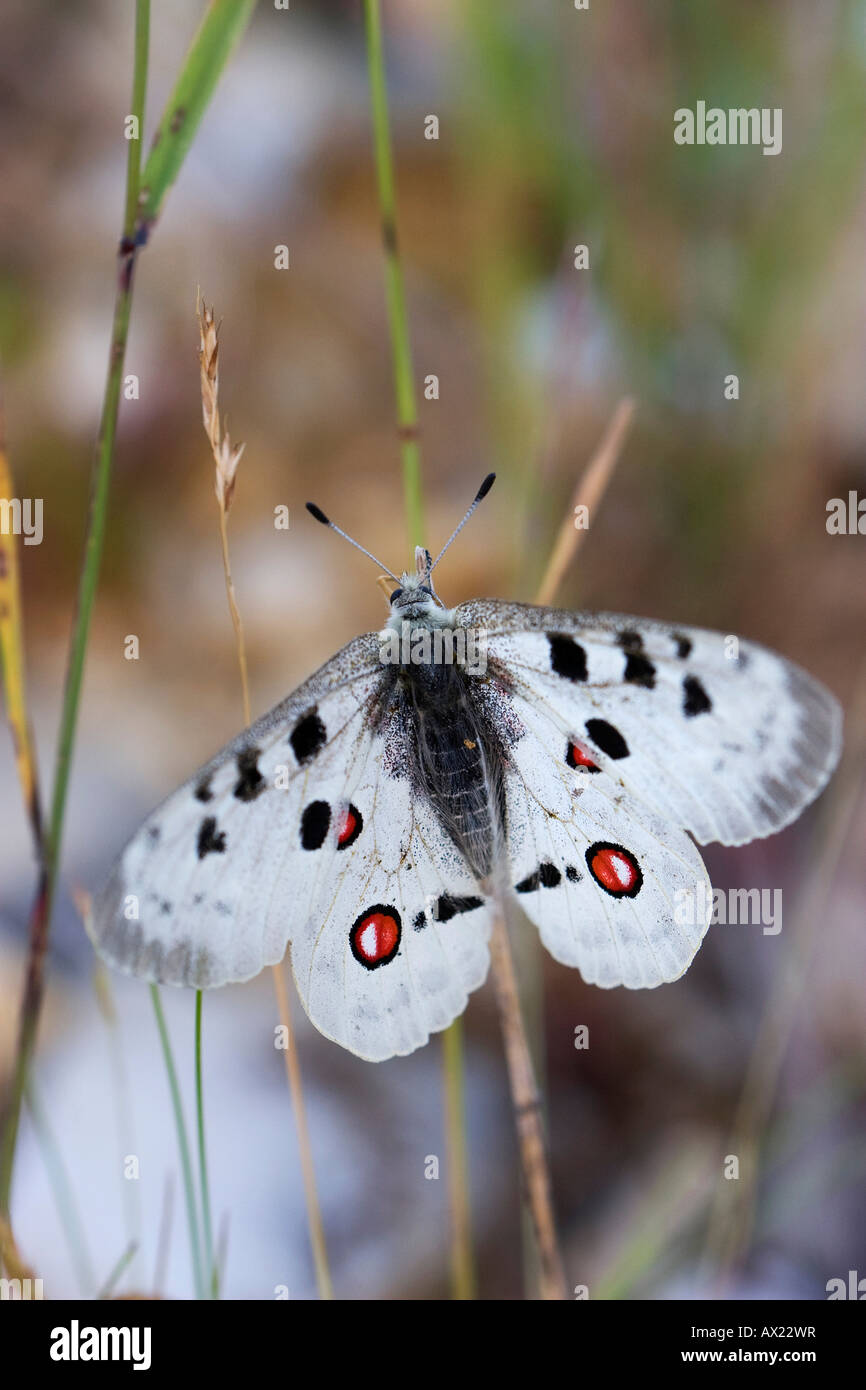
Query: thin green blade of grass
x,y
463,1281
211,48
204,1184
183,1145
119,1269
122,1095
40,917
398,320
216,38
64,1196
139,95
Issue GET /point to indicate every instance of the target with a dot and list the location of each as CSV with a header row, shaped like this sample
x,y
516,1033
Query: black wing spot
x,y
308,737
683,645
639,670
210,840
695,698
448,907
250,781
547,875
203,791
567,657
420,922
572,874
315,823
607,738
153,834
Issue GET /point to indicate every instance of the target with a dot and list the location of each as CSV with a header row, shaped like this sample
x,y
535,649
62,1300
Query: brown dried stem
x,y
527,1114
524,1089
226,459
590,489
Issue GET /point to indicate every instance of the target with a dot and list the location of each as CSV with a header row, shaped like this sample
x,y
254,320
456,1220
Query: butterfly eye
x,y
396,594
422,589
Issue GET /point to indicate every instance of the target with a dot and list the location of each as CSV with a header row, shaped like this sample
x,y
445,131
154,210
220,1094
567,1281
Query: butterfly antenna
x,y
479,497
326,521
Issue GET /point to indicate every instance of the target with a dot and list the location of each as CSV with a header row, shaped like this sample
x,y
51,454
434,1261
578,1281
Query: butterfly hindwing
x,y
389,951
600,874
720,736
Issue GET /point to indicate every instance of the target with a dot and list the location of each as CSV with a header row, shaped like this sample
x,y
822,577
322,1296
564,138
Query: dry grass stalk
x,y
12,657
226,455
524,1089
10,1259
527,1114
590,489
15,698
226,459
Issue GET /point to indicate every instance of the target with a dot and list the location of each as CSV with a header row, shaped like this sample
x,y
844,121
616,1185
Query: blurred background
x,y
555,129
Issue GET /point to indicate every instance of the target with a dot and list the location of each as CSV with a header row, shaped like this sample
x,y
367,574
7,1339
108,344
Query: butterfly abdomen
x,y
455,759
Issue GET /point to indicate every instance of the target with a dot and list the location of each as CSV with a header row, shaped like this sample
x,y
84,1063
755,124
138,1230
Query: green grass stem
x,y
183,1145
462,1264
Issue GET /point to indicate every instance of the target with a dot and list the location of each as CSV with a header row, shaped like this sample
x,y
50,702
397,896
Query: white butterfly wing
x,y
621,735
613,888
207,890
390,949
305,827
722,738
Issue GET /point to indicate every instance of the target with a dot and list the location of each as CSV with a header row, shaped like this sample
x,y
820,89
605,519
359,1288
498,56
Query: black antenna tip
x,y
317,513
485,486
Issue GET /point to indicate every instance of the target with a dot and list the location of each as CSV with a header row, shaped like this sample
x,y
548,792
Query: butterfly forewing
x,y
720,736
206,892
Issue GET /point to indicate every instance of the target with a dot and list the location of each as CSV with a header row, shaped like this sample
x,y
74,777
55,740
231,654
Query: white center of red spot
x,y
614,870
580,758
376,937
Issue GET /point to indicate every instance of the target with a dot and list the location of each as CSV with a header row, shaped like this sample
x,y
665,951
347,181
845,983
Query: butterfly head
x,y
416,599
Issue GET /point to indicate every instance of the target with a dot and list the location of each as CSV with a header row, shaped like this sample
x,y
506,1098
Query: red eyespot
x,y
350,828
375,936
615,869
576,756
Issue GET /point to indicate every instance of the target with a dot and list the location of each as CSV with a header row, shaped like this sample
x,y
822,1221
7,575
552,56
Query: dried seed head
x,y
227,459
226,455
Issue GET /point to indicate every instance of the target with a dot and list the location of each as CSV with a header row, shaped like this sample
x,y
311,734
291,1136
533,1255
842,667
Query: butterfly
x,y
458,760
